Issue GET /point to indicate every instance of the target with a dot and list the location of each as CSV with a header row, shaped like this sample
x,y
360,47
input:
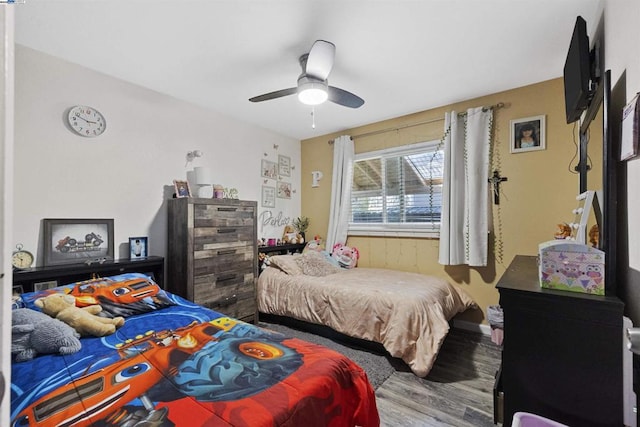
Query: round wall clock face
x,y
86,121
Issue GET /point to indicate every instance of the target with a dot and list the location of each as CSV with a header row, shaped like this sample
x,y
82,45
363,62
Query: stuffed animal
x,y
563,232
346,256
83,320
314,245
34,333
594,235
290,236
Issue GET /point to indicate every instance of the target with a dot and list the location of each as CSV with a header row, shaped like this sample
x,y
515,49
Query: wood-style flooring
x,y
457,392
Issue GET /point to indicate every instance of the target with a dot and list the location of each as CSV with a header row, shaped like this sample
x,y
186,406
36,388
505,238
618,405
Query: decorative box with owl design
x,y
570,266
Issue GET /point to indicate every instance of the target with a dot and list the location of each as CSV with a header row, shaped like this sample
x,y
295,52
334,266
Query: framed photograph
x,y
284,165
269,169
268,196
18,290
284,190
182,188
138,247
527,134
68,241
41,286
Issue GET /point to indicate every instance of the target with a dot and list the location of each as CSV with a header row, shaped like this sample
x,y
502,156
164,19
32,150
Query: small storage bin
x,y
569,266
525,419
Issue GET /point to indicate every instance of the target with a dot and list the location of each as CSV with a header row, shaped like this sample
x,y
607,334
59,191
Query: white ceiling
x,y
400,56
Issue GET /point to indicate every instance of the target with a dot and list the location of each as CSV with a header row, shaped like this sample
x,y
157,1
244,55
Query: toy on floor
x,y
83,320
34,333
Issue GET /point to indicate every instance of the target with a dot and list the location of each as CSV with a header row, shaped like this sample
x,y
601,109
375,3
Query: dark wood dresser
x,y
212,254
562,351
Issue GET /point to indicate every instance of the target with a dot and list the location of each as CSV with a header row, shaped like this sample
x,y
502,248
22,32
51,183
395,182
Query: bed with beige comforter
x,y
408,313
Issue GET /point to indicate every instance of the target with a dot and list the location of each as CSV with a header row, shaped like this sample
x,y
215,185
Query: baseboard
x,y
473,327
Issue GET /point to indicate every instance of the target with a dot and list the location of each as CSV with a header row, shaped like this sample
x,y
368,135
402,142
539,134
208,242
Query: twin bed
x,y
408,313
177,363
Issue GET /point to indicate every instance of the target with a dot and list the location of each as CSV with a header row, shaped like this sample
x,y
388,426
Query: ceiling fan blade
x,y
344,98
320,59
274,95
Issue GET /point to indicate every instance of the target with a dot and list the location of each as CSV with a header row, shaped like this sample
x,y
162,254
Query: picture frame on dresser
x,y
182,188
138,247
76,240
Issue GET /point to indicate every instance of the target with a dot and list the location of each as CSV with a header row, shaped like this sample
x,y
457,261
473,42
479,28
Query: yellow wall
x,y
539,194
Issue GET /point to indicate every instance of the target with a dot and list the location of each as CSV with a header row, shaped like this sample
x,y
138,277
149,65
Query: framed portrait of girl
x,y
527,134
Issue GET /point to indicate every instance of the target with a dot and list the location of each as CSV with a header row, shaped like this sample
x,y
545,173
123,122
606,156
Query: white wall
x,y
6,195
127,172
622,44
622,49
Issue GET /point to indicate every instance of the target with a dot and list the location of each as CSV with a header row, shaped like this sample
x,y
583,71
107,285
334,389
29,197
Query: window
x,y
398,191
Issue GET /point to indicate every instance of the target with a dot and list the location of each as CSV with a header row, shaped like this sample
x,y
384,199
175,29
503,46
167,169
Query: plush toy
x,y
564,231
346,256
290,236
594,236
34,333
83,320
314,245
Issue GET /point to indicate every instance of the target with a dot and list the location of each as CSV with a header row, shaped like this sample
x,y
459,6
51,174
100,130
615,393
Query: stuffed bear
x,y
83,320
34,333
346,256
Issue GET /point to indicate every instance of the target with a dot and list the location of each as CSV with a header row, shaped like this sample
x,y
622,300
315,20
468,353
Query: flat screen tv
x,y
577,73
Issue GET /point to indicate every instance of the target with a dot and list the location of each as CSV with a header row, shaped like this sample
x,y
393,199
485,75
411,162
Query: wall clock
x,y
86,121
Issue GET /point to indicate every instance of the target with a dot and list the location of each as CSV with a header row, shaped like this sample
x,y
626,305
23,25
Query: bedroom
x,y
134,196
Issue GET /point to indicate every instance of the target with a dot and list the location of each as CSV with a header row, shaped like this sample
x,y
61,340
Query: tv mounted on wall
x,y
577,73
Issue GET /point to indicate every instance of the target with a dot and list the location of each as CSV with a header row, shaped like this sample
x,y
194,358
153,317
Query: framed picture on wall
x,y
68,241
527,134
269,169
268,196
138,247
284,190
284,165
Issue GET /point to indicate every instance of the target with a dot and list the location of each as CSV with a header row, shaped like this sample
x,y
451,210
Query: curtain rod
x,y
376,132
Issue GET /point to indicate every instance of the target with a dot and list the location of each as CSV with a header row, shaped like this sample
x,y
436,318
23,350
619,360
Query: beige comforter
x,y
407,313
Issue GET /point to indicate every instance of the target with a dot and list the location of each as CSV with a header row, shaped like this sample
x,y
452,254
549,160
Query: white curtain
x,y
343,155
464,229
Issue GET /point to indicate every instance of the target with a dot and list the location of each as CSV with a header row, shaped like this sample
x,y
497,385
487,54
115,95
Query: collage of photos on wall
x,y
275,184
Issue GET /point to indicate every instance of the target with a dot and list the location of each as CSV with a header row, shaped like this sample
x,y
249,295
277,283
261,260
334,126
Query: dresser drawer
x,y
224,259
221,236
206,215
211,286
235,301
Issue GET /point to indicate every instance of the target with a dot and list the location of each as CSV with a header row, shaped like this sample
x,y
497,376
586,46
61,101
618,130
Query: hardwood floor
x,y
457,392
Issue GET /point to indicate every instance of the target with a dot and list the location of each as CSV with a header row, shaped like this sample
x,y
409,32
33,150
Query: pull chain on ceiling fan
x,y
313,87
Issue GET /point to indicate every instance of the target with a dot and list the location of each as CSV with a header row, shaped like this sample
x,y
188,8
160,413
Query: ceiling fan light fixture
x,y
312,93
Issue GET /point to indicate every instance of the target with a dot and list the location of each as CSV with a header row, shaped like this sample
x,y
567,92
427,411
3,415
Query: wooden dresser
x,y
562,351
212,254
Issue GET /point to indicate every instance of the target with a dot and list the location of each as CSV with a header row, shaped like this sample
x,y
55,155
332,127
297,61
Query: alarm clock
x,y
21,259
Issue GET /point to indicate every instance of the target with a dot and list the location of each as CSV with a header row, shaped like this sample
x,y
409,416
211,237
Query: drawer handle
x,y
227,209
226,230
227,252
223,302
227,277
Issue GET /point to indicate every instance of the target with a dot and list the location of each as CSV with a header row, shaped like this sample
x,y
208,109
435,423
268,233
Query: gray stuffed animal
x,y
33,333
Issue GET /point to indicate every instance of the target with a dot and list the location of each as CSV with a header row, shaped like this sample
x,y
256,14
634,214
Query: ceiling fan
x,y
313,87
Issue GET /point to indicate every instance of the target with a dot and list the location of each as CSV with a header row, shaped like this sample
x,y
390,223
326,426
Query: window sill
x,y
390,232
